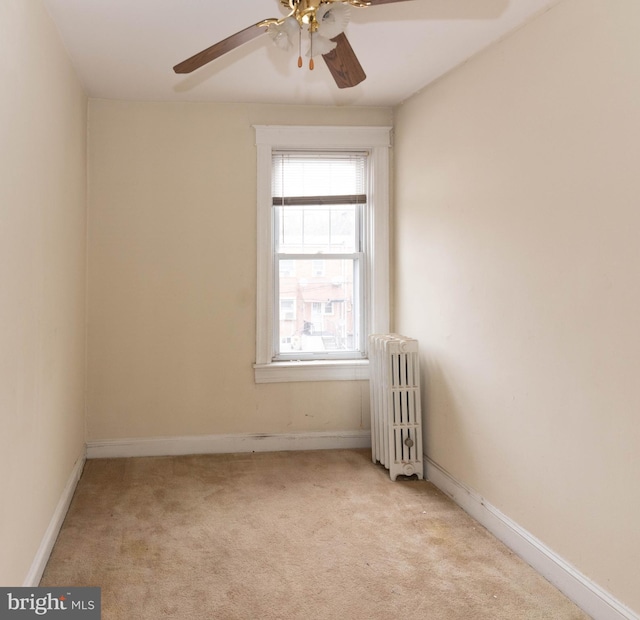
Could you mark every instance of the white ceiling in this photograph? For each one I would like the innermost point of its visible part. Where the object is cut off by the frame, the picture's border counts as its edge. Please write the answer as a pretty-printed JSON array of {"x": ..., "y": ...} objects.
[{"x": 125, "y": 49}]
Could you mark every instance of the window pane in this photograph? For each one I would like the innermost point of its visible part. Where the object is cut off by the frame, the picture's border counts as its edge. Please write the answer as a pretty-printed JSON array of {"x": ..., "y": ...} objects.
[
  {"x": 309, "y": 230},
  {"x": 343, "y": 227},
  {"x": 287, "y": 268},
  {"x": 291, "y": 227},
  {"x": 318, "y": 313},
  {"x": 287, "y": 309},
  {"x": 317, "y": 227}
]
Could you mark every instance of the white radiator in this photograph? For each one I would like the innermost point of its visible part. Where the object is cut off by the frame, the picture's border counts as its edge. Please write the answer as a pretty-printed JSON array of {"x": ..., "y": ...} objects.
[{"x": 396, "y": 415}]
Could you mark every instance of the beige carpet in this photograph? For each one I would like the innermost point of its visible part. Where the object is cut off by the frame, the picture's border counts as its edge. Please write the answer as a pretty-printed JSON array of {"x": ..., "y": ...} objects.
[{"x": 304, "y": 535}]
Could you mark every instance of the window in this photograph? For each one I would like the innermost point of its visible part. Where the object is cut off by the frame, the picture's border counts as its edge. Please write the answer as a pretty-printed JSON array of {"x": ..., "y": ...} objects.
[
  {"x": 319, "y": 208},
  {"x": 322, "y": 250}
]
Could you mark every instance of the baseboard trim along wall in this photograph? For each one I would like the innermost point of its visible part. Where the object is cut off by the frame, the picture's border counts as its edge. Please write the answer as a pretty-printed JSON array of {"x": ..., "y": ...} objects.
[
  {"x": 590, "y": 597},
  {"x": 221, "y": 444},
  {"x": 51, "y": 534}
]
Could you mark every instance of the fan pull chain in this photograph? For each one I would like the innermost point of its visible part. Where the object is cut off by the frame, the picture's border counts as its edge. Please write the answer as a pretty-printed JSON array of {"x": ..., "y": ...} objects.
[
  {"x": 300, "y": 48},
  {"x": 311, "y": 52}
]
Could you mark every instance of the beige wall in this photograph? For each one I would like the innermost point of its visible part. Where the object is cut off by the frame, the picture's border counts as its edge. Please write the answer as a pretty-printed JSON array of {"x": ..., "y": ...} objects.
[
  {"x": 518, "y": 268},
  {"x": 42, "y": 271},
  {"x": 172, "y": 295}
]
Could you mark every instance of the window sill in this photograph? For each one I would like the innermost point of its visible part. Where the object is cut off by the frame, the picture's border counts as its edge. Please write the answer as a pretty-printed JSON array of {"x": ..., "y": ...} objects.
[{"x": 320, "y": 370}]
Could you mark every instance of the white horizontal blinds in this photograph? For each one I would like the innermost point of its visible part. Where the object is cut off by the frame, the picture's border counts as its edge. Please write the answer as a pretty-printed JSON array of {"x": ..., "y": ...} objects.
[{"x": 318, "y": 175}]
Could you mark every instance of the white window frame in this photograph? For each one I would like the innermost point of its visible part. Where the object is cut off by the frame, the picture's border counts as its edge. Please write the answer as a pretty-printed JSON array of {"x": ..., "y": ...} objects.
[{"x": 375, "y": 140}]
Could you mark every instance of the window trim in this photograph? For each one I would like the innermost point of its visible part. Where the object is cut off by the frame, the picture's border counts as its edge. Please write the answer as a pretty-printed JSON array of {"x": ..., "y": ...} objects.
[{"x": 376, "y": 140}]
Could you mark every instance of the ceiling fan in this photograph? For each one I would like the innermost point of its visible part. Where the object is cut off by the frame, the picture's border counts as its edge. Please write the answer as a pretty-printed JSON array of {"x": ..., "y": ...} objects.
[{"x": 324, "y": 20}]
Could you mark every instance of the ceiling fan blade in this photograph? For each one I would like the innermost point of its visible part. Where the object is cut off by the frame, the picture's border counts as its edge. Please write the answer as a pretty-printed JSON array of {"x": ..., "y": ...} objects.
[
  {"x": 219, "y": 49},
  {"x": 343, "y": 63}
]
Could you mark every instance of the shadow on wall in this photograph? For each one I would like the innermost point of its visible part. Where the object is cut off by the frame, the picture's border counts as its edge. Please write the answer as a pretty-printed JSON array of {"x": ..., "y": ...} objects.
[{"x": 446, "y": 435}]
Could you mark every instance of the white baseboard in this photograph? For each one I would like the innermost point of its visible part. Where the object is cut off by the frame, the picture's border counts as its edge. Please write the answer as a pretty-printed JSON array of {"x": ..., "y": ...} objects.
[
  {"x": 590, "y": 597},
  {"x": 48, "y": 540},
  {"x": 221, "y": 444}
]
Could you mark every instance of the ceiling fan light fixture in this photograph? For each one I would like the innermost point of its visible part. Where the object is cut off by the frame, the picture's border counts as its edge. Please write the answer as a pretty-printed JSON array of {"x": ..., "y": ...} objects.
[
  {"x": 332, "y": 19},
  {"x": 284, "y": 34},
  {"x": 319, "y": 46}
]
